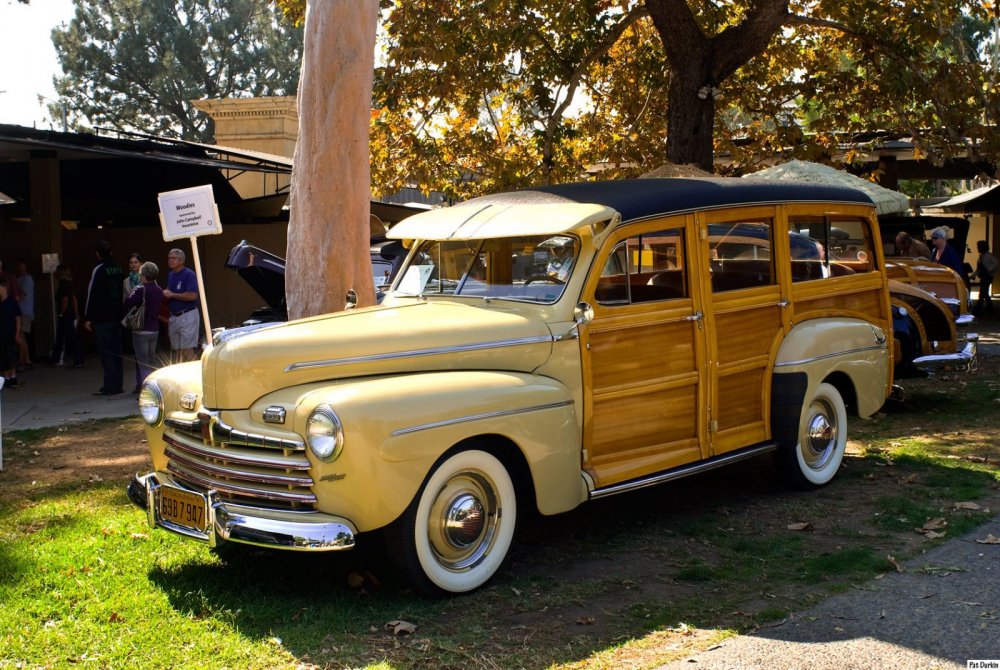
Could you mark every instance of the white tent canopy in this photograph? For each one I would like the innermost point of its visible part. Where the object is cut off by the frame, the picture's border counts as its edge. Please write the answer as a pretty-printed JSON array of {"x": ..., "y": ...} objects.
[{"x": 886, "y": 201}]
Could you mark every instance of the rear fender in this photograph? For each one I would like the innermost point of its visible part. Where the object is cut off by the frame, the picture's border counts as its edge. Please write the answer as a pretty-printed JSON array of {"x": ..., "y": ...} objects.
[{"x": 842, "y": 350}]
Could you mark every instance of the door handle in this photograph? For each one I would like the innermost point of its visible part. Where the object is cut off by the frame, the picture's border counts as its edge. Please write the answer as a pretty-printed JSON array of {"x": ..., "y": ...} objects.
[{"x": 697, "y": 317}]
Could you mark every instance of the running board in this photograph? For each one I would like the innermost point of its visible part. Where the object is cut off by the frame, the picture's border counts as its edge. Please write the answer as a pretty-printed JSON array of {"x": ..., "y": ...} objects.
[{"x": 683, "y": 471}]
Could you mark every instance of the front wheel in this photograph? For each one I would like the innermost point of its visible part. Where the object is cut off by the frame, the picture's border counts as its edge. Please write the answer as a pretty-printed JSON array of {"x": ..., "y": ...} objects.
[
  {"x": 457, "y": 531},
  {"x": 818, "y": 452}
]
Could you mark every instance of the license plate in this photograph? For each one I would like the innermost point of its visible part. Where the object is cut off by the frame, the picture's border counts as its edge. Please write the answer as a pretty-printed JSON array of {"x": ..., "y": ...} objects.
[{"x": 182, "y": 508}]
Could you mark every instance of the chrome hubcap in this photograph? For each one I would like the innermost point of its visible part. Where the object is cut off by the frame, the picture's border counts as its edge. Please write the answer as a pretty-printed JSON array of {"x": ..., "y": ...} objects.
[
  {"x": 463, "y": 520},
  {"x": 821, "y": 436}
]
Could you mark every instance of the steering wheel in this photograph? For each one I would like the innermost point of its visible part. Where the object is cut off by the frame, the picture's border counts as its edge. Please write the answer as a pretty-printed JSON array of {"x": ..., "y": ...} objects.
[{"x": 548, "y": 278}]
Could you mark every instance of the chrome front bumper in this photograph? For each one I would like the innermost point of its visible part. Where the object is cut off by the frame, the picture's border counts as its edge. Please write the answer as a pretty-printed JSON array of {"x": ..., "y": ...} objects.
[
  {"x": 279, "y": 529},
  {"x": 967, "y": 359}
]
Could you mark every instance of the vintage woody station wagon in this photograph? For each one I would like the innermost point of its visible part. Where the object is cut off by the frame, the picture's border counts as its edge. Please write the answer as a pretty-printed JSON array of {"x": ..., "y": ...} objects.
[{"x": 539, "y": 349}]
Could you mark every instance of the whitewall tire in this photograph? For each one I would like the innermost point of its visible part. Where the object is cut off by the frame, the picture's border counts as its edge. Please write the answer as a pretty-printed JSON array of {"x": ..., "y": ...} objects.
[
  {"x": 456, "y": 533},
  {"x": 821, "y": 442}
]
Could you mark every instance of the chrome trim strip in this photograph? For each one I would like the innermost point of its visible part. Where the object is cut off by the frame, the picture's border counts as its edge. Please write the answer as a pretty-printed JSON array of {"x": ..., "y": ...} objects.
[
  {"x": 434, "y": 351},
  {"x": 831, "y": 355},
  {"x": 192, "y": 426},
  {"x": 477, "y": 417},
  {"x": 296, "y": 531},
  {"x": 682, "y": 471},
  {"x": 264, "y": 460},
  {"x": 223, "y": 432},
  {"x": 233, "y": 473},
  {"x": 235, "y": 489}
]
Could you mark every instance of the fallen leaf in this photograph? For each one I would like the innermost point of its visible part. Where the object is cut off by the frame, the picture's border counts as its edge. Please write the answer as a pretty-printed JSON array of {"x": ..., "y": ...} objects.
[
  {"x": 115, "y": 618},
  {"x": 908, "y": 479},
  {"x": 585, "y": 620},
  {"x": 870, "y": 476},
  {"x": 139, "y": 536},
  {"x": 936, "y": 523},
  {"x": 516, "y": 591},
  {"x": 933, "y": 535},
  {"x": 966, "y": 505},
  {"x": 400, "y": 627},
  {"x": 802, "y": 525},
  {"x": 355, "y": 580},
  {"x": 990, "y": 539},
  {"x": 896, "y": 564}
]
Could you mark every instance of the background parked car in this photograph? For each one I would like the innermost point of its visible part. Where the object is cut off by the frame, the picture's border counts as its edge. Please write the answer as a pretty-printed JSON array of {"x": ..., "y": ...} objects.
[{"x": 265, "y": 273}]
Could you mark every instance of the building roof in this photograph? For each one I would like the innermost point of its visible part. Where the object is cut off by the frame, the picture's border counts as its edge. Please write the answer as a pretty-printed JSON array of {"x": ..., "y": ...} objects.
[
  {"x": 115, "y": 179},
  {"x": 985, "y": 199}
]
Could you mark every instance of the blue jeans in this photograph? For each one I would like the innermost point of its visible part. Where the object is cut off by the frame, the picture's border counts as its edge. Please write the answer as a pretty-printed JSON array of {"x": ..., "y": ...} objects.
[
  {"x": 144, "y": 344},
  {"x": 109, "y": 346}
]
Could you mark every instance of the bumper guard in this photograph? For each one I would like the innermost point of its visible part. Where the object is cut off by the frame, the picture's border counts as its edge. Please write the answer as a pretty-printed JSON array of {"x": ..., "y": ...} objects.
[
  {"x": 967, "y": 359},
  {"x": 225, "y": 521}
]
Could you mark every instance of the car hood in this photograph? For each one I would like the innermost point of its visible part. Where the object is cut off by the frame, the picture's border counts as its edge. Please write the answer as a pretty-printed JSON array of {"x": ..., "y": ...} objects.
[
  {"x": 416, "y": 337},
  {"x": 262, "y": 270}
]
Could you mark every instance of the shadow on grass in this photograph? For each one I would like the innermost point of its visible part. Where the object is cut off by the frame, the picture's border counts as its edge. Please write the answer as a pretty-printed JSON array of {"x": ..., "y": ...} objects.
[{"x": 700, "y": 551}]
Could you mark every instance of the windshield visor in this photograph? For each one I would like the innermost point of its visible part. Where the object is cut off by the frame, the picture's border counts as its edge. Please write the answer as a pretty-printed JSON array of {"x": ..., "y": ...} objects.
[{"x": 531, "y": 268}]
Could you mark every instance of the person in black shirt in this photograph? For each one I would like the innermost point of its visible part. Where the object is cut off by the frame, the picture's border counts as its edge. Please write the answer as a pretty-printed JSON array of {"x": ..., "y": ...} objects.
[{"x": 102, "y": 314}]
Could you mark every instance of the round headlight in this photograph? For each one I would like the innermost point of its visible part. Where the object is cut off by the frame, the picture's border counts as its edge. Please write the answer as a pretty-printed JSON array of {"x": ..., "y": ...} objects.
[
  {"x": 324, "y": 433},
  {"x": 151, "y": 403}
]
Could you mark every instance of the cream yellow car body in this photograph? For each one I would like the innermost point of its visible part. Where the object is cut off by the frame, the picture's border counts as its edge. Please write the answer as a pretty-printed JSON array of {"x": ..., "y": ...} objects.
[{"x": 577, "y": 396}]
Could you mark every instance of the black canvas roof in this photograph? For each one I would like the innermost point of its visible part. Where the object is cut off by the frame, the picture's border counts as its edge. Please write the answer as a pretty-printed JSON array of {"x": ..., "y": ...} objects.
[{"x": 642, "y": 198}]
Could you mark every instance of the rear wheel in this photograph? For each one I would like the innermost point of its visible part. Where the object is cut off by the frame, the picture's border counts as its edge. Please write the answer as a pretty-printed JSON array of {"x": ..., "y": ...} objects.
[
  {"x": 456, "y": 533},
  {"x": 818, "y": 452}
]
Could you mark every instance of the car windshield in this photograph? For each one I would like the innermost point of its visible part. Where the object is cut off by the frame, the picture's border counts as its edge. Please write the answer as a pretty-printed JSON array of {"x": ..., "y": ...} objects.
[{"x": 531, "y": 268}]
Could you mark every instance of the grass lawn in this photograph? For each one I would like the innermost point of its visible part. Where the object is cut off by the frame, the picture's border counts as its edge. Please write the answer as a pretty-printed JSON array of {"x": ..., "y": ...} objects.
[{"x": 627, "y": 582}]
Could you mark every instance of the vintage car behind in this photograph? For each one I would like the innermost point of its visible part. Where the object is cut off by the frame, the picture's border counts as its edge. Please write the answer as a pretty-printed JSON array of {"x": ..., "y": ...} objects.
[
  {"x": 537, "y": 350},
  {"x": 265, "y": 273}
]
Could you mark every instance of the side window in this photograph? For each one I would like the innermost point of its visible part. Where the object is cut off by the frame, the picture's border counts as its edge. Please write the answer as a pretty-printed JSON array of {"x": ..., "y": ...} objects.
[
  {"x": 645, "y": 268},
  {"x": 828, "y": 246},
  {"x": 740, "y": 254}
]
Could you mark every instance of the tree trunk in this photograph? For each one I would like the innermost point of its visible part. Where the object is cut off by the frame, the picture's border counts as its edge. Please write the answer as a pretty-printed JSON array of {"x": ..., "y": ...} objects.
[
  {"x": 328, "y": 229},
  {"x": 690, "y": 118},
  {"x": 699, "y": 64}
]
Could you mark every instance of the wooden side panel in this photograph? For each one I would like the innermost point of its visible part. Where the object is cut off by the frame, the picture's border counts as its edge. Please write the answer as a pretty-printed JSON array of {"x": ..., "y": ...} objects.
[
  {"x": 644, "y": 415},
  {"x": 746, "y": 333},
  {"x": 741, "y": 399},
  {"x": 643, "y": 354}
]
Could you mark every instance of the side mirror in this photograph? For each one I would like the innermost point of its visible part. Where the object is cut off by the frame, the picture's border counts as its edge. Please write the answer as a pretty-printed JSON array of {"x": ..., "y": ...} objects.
[
  {"x": 583, "y": 313},
  {"x": 351, "y": 298}
]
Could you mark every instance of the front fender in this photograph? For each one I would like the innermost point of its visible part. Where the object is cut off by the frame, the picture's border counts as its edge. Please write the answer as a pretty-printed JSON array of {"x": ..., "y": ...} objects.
[
  {"x": 853, "y": 347},
  {"x": 397, "y": 427}
]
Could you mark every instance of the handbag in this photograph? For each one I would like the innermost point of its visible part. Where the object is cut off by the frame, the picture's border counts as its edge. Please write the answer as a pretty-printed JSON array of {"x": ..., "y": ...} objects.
[{"x": 135, "y": 318}]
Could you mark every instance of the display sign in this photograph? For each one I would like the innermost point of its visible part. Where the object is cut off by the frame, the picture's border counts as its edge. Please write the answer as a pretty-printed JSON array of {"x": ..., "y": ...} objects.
[
  {"x": 50, "y": 263},
  {"x": 189, "y": 212}
]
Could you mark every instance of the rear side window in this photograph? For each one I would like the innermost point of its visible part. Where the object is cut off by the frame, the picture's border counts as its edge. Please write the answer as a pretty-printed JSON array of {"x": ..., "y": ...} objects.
[
  {"x": 740, "y": 254},
  {"x": 645, "y": 268},
  {"x": 830, "y": 246}
]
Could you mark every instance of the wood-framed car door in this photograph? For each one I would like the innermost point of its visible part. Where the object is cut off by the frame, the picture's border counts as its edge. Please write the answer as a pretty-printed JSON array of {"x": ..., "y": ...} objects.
[
  {"x": 746, "y": 315},
  {"x": 644, "y": 354}
]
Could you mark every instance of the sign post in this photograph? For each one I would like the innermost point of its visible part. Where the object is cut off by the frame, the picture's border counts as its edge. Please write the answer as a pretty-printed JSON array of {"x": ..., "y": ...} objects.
[
  {"x": 49, "y": 264},
  {"x": 191, "y": 212},
  {"x": 1, "y": 427}
]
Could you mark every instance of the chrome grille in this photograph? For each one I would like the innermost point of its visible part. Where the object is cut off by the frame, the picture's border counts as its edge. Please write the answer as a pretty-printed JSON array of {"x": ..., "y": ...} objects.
[{"x": 244, "y": 467}]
